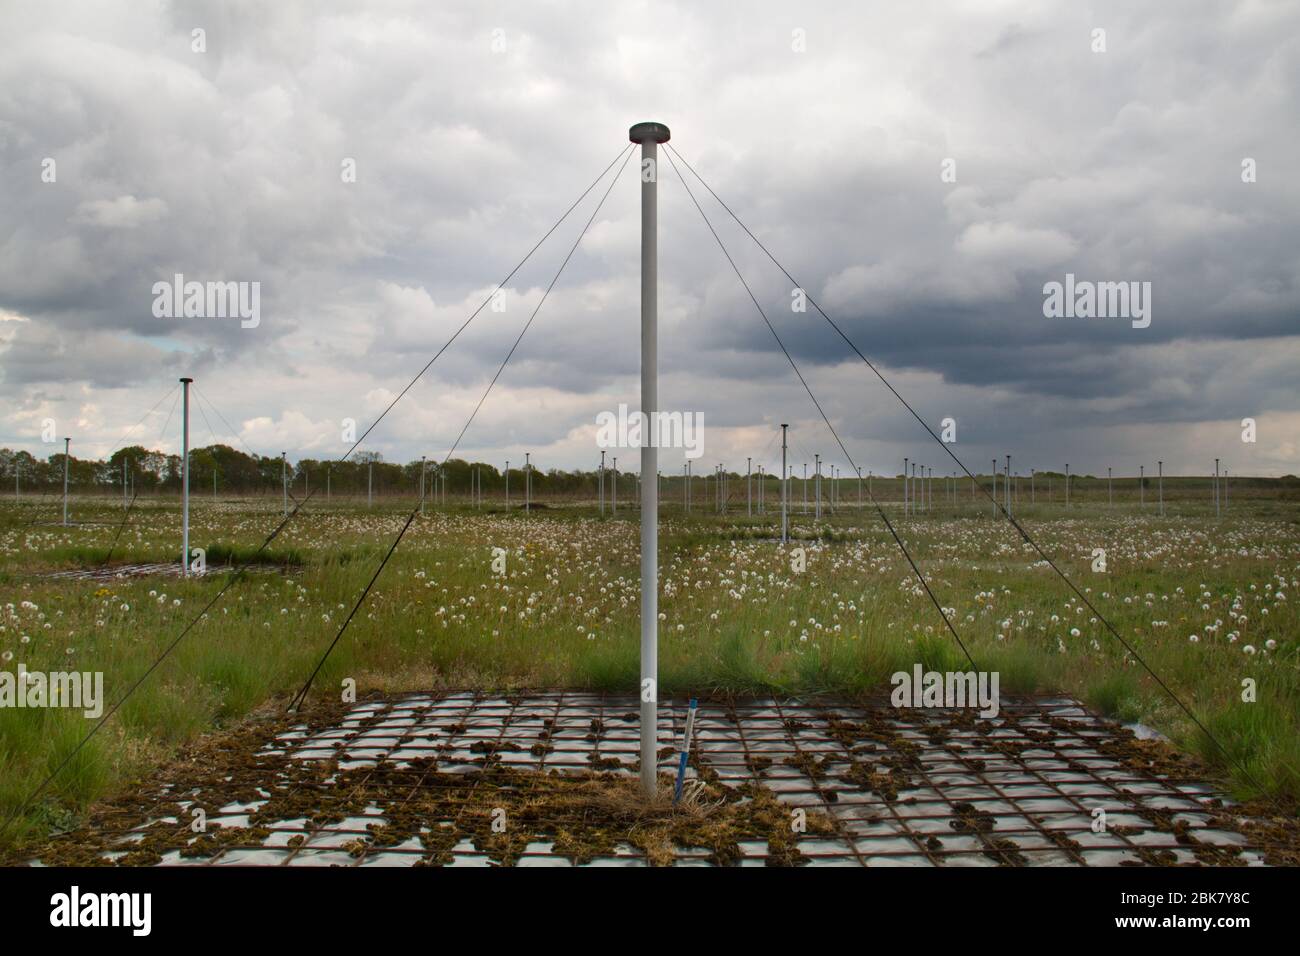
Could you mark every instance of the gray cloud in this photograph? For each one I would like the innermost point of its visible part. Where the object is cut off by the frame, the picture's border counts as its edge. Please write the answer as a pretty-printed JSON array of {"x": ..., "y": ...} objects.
[{"x": 226, "y": 165}]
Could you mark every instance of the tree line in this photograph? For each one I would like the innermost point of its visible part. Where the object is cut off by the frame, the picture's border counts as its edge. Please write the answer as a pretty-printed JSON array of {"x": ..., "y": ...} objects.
[{"x": 230, "y": 471}]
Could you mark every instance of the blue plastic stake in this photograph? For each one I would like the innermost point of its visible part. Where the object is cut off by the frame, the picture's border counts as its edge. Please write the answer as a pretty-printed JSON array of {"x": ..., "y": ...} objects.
[{"x": 686, "y": 750}]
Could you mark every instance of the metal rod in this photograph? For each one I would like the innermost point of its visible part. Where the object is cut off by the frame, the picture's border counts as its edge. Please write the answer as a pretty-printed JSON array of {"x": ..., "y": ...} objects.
[
  {"x": 67, "y": 445},
  {"x": 785, "y": 490},
  {"x": 185, "y": 476},
  {"x": 649, "y": 135}
]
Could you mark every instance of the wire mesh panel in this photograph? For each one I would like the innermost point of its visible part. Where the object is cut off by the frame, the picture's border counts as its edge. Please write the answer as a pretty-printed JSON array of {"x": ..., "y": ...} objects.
[{"x": 420, "y": 779}]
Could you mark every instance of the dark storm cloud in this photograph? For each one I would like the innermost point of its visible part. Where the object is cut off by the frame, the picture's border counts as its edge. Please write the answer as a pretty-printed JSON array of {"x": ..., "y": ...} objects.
[{"x": 473, "y": 127}]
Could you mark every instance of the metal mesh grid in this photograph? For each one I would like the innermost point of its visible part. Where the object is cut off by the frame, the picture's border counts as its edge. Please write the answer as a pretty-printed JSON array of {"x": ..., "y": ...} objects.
[{"x": 901, "y": 787}]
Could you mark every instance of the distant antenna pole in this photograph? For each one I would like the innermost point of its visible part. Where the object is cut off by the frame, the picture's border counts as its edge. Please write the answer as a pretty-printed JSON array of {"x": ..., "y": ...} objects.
[
  {"x": 1160, "y": 486},
  {"x": 785, "y": 490},
  {"x": 67, "y": 444},
  {"x": 904, "y": 485},
  {"x": 817, "y": 487},
  {"x": 1008, "y": 488},
  {"x": 649, "y": 135},
  {"x": 185, "y": 476},
  {"x": 749, "y": 483}
]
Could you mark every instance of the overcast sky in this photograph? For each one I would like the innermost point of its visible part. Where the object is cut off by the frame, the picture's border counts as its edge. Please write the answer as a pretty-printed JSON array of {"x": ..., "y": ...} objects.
[{"x": 825, "y": 126}]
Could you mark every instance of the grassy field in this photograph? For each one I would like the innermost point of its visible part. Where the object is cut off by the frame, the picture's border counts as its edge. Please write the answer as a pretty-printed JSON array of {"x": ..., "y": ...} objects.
[{"x": 1206, "y": 602}]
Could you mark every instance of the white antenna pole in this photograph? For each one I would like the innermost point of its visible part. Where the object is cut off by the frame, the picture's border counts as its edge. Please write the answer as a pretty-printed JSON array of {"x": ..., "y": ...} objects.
[
  {"x": 785, "y": 490},
  {"x": 67, "y": 445},
  {"x": 649, "y": 135},
  {"x": 817, "y": 487},
  {"x": 185, "y": 476}
]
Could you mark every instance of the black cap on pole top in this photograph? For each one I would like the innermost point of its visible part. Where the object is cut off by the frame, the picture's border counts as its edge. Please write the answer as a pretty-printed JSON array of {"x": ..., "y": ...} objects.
[
  {"x": 647, "y": 131},
  {"x": 187, "y": 380}
]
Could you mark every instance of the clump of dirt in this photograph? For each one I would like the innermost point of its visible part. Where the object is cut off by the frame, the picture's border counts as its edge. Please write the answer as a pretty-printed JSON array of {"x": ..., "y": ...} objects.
[
  {"x": 810, "y": 765},
  {"x": 971, "y": 820},
  {"x": 865, "y": 777}
]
